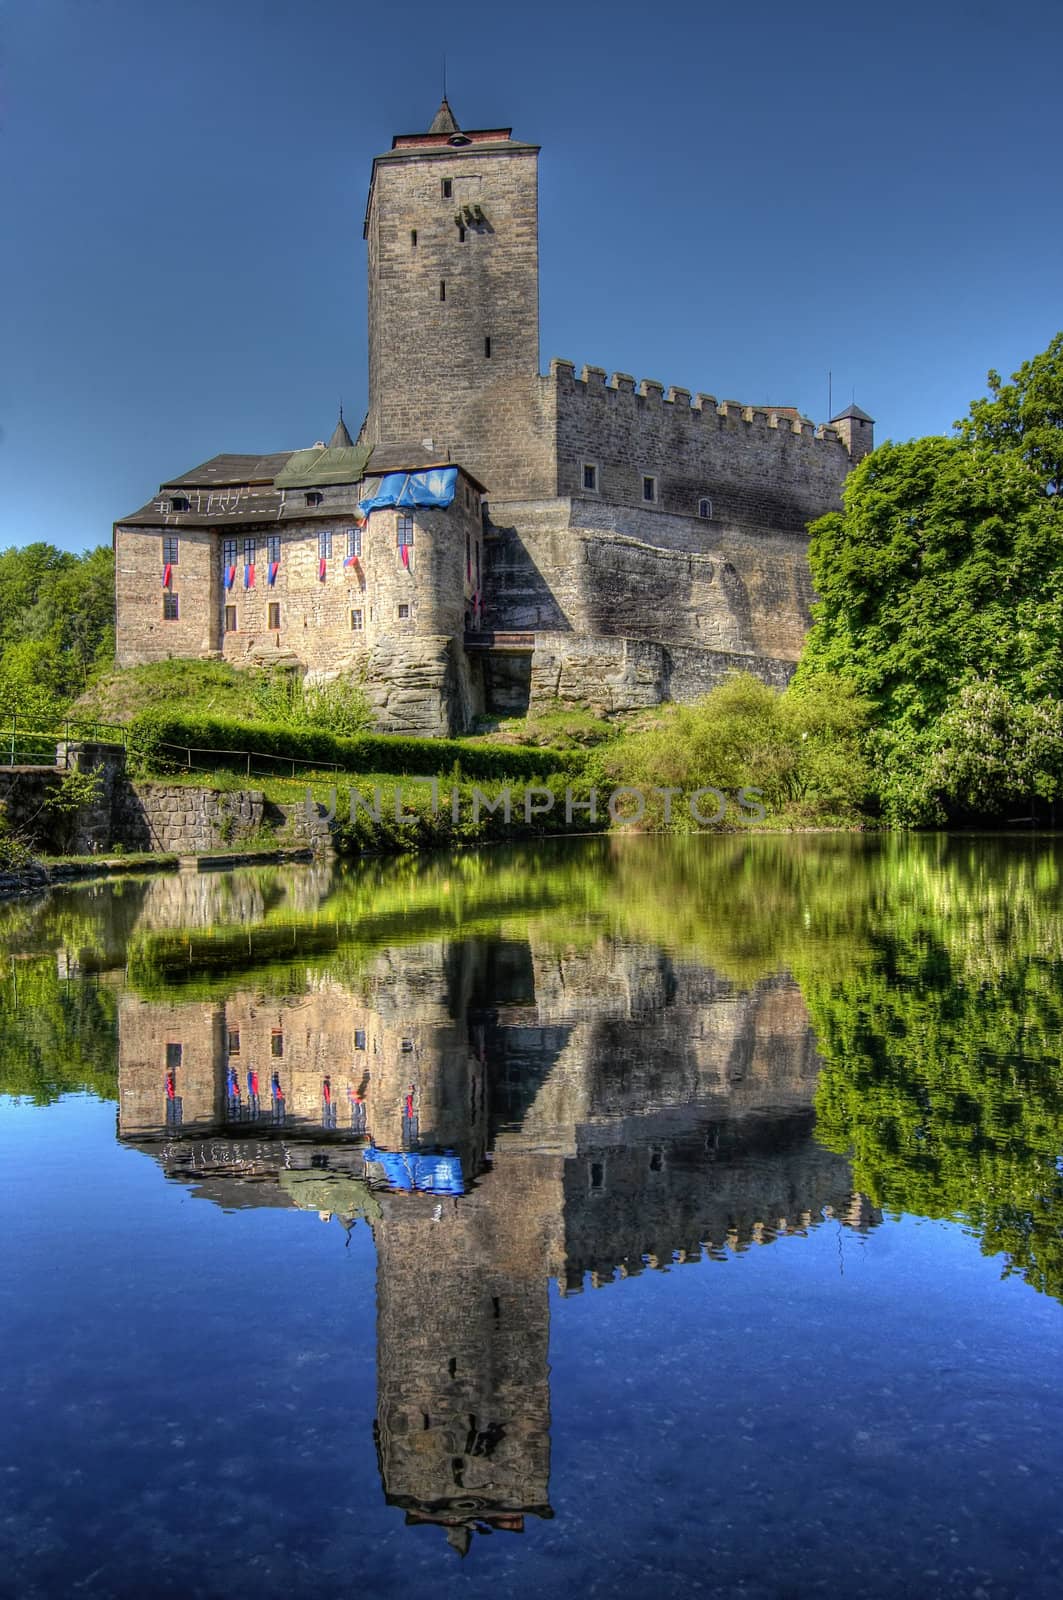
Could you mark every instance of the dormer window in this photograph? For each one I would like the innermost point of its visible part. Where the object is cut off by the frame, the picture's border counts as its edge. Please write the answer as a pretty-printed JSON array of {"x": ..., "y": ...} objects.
[
  {"x": 179, "y": 503},
  {"x": 459, "y": 139},
  {"x": 314, "y": 497}
]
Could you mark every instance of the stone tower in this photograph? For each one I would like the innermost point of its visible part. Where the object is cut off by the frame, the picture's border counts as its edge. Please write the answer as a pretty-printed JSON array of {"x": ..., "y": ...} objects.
[
  {"x": 452, "y": 230},
  {"x": 856, "y": 430}
]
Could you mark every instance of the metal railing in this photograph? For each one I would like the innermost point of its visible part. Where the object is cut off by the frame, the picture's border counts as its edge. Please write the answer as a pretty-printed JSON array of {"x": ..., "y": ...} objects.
[
  {"x": 27, "y": 746},
  {"x": 245, "y": 757}
]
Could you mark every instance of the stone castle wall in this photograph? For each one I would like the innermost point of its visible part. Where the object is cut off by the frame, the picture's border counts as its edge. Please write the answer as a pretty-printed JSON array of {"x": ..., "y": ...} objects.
[{"x": 760, "y": 468}]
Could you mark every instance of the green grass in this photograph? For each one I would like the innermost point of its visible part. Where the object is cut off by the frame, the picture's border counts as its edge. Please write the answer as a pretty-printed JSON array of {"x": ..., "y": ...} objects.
[{"x": 211, "y": 687}]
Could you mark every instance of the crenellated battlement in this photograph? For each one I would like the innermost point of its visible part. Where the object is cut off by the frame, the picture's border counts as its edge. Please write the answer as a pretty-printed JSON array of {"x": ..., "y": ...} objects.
[{"x": 700, "y": 409}]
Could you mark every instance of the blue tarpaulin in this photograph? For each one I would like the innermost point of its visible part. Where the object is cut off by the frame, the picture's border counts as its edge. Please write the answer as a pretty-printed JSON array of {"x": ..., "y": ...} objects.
[
  {"x": 434, "y": 487},
  {"x": 407, "y": 1169}
]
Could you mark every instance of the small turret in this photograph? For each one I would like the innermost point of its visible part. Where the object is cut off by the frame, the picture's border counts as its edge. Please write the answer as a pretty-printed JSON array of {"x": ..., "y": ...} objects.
[{"x": 856, "y": 430}]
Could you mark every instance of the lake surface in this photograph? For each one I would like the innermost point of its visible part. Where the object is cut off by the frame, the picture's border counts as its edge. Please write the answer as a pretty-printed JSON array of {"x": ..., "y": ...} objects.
[{"x": 587, "y": 1219}]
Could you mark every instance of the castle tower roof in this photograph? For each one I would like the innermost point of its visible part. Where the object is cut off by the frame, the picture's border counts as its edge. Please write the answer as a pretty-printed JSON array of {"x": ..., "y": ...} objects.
[
  {"x": 444, "y": 120},
  {"x": 855, "y": 413},
  {"x": 341, "y": 439}
]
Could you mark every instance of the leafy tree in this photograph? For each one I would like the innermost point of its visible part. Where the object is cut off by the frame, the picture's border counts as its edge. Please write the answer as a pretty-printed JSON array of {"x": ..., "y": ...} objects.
[
  {"x": 1025, "y": 416},
  {"x": 56, "y": 627}
]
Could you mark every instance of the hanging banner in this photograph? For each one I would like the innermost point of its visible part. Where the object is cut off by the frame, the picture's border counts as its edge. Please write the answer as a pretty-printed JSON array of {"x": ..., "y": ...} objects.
[
  {"x": 273, "y": 566},
  {"x": 167, "y": 577},
  {"x": 230, "y": 575},
  {"x": 404, "y": 551},
  {"x": 249, "y": 574},
  {"x": 322, "y": 569}
]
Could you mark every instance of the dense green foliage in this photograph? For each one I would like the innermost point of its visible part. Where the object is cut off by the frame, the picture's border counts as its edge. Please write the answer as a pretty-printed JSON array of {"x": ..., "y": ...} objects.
[
  {"x": 152, "y": 732},
  {"x": 941, "y": 602},
  {"x": 60, "y": 1035},
  {"x": 217, "y": 689},
  {"x": 800, "y": 751},
  {"x": 56, "y": 628}
]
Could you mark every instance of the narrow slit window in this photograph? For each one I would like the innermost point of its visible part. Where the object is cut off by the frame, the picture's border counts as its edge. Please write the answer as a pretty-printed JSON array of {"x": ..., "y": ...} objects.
[
  {"x": 413, "y": 238},
  {"x": 448, "y": 188},
  {"x": 461, "y": 233},
  {"x": 274, "y": 621},
  {"x": 597, "y": 1175},
  {"x": 169, "y": 607},
  {"x": 649, "y": 489},
  {"x": 487, "y": 347},
  {"x": 442, "y": 288},
  {"x": 590, "y": 477},
  {"x": 230, "y": 619}
]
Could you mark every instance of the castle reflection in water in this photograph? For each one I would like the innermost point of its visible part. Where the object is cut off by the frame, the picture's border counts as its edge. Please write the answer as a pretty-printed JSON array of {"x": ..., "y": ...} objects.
[{"x": 600, "y": 1111}]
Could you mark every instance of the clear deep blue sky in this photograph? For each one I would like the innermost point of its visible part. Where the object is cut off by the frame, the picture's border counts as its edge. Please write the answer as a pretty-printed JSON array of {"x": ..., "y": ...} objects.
[{"x": 735, "y": 198}]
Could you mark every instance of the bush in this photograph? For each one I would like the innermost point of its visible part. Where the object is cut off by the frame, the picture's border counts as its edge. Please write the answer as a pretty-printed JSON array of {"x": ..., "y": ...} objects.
[
  {"x": 152, "y": 732},
  {"x": 801, "y": 749}
]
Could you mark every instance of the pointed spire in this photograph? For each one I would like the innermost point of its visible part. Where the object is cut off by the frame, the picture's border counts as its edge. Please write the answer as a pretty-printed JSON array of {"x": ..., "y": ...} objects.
[
  {"x": 444, "y": 121},
  {"x": 341, "y": 439}
]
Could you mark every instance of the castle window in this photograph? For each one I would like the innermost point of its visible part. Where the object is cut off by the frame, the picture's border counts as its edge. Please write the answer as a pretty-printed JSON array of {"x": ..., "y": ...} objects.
[
  {"x": 179, "y": 503},
  {"x": 169, "y": 606},
  {"x": 705, "y": 507},
  {"x": 404, "y": 613},
  {"x": 442, "y": 288},
  {"x": 649, "y": 489},
  {"x": 324, "y": 544},
  {"x": 487, "y": 347},
  {"x": 230, "y": 619},
  {"x": 170, "y": 545},
  {"x": 404, "y": 528},
  {"x": 448, "y": 188},
  {"x": 173, "y": 1057},
  {"x": 356, "y": 621},
  {"x": 359, "y": 1038},
  {"x": 597, "y": 1175},
  {"x": 276, "y": 1043},
  {"x": 590, "y": 478},
  {"x": 234, "y": 1041},
  {"x": 228, "y": 552},
  {"x": 273, "y": 547},
  {"x": 461, "y": 234},
  {"x": 314, "y": 497},
  {"x": 354, "y": 542},
  {"x": 274, "y": 619},
  {"x": 406, "y": 1046},
  {"x": 413, "y": 238},
  {"x": 249, "y": 551}
]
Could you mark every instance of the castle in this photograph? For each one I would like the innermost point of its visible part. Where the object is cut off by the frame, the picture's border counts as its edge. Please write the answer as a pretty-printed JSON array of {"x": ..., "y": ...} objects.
[{"x": 497, "y": 538}]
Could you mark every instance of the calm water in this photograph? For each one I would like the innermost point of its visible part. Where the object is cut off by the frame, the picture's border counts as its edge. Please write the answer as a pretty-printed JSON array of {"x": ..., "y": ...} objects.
[{"x": 574, "y": 1220}]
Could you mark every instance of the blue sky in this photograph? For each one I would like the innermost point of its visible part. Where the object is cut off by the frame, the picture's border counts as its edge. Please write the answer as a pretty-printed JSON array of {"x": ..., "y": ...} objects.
[{"x": 733, "y": 198}]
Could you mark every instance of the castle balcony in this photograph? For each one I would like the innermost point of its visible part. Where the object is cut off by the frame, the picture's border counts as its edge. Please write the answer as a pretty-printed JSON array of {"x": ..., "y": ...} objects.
[{"x": 514, "y": 644}]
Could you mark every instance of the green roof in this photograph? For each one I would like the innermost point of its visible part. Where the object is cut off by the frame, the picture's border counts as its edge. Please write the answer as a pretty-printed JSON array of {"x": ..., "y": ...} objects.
[{"x": 308, "y": 469}]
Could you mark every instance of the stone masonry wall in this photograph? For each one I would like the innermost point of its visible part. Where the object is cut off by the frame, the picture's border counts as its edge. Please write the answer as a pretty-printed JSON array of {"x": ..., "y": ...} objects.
[
  {"x": 759, "y": 468},
  {"x": 141, "y": 632},
  {"x": 571, "y": 566},
  {"x": 169, "y": 817}
]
